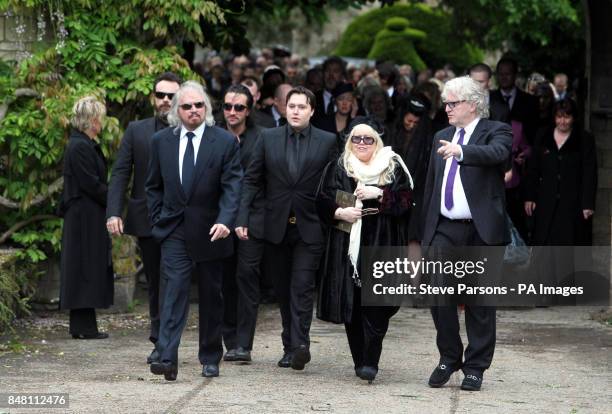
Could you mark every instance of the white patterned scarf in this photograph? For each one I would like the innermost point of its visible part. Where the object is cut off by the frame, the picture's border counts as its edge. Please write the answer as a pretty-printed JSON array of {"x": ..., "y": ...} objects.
[{"x": 371, "y": 173}]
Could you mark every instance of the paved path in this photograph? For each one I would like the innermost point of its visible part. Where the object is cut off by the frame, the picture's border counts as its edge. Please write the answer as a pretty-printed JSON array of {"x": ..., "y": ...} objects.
[{"x": 551, "y": 360}]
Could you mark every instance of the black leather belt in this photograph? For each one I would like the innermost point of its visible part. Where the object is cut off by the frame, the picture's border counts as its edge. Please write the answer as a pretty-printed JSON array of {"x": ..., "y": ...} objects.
[{"x": 466, "y": 221}]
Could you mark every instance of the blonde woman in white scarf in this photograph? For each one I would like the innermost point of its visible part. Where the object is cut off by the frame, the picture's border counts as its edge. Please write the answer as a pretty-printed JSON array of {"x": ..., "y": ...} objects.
[{"x": 379, "y": 179}]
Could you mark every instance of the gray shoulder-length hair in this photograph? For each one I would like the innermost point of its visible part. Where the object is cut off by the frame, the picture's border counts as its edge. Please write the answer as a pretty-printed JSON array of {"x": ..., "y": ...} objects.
[
  {"x": 467, "y": 89},
  {"x": 173, "y": 117}
]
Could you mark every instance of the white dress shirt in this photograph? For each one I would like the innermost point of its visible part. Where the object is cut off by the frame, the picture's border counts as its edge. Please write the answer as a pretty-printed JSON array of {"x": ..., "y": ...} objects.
[
  {"x": 461, "y": 208},
  {"x": 276, "y": 115},
  {"x": 183, "y": 140},
  {"x": 327, "y": 96}
]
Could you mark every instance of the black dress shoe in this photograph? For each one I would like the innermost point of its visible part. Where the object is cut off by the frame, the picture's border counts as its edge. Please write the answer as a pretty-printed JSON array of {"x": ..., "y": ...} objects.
[
  {"x": 285, "y": 361},
  {"x": 358, "y": 371},
  {"x": 210, "y": 370},
  {"x": 301, "y": 357},
  {"x": 441, "y": 375},
  {"x": 471, "y": 382},
  {"x": 230, "y": 355},
  {"x": 368, "y": 373},
  {"x": 154, "y": 356},
  {"x": 167, "y": 369},
  {"x": 99, "y": 335},
  {"x": 243, "y": 355}
]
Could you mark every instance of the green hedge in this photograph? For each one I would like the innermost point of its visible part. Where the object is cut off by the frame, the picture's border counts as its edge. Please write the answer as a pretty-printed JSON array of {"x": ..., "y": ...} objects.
[
  {"x": 18, "y": 280},
  {"x": 396, "y": 43},
  {"x": 441, "y": 46}
]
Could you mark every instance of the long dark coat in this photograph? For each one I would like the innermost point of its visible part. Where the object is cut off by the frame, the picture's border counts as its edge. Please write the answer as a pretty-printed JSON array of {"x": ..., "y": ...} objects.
[
  {"x": 562, "y": 182},
  {"x": 86, "y": 268},
  {"x": 388, "y": 228}
]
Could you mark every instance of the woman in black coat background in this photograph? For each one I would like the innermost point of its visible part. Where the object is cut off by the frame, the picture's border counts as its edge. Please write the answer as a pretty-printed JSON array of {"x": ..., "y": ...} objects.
[
  {"x": 560, "y": 193},
  {"x": 86, "y": 269},
  {"x": 562, "y": 181},
  {"x": 380, "y": 180}
]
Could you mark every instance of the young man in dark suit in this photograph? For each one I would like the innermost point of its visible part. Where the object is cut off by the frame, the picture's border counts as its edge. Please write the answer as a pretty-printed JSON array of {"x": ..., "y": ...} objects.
[
  {"x": 192, "y": 189},
  {"x": 464, "y": 206},
  {"x": 242, "y": 276},
  {"x": 287, "y": 165},
  {"x": 498, "y": 109},
  {"x": 133, "y": 161}
]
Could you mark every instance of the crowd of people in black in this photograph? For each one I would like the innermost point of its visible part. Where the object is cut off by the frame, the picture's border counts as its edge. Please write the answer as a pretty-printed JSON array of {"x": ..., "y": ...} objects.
[{"x": 237, "y": 183}]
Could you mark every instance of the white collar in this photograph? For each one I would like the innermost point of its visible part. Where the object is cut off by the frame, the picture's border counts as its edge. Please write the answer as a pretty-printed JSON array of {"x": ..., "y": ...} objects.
[
  {"x": 469, "y": 128},
  {"x": 199, "y": 131}
]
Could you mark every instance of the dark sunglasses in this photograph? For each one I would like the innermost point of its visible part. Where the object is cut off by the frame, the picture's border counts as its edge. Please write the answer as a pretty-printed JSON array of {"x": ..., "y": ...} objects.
[
  {"x": 187, "y": 107},
  {"x": 237, "y": 107},
  {"x": 357, "y": 139},
  {"x": 162, "y": 95}
]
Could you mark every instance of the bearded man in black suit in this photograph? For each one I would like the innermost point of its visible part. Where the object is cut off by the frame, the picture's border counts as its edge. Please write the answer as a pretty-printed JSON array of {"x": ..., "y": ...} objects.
[
  {"x": 192, "y": 189},
  {"x": 133, "y": 161}
]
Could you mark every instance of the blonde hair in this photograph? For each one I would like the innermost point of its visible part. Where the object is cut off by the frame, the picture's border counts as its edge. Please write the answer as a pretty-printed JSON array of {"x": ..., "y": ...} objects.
[
  {"x": 388, "y": 175},
  {"x": 85, "y": 110}
]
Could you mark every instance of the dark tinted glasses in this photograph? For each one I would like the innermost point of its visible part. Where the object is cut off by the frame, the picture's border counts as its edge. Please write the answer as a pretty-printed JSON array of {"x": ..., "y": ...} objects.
[
  {"x": 357, "y": 139},
  {"x": 187, "y": 107},
  {"x": 162, "y": 95},
  {"x": 237, "y": 107}
]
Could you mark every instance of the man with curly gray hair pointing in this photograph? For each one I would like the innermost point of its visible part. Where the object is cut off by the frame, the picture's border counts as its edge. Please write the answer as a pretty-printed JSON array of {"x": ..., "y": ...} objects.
[{"x": 464, "y": 206}]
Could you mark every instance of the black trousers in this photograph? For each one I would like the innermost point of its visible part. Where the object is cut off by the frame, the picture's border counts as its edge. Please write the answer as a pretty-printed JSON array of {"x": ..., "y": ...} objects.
[
  {"x": 150, "y": 252},
  {"x": 479, "y": 320},
  {"x": 83, "y": 322},
  {"x": 177, "y": 270},
  {"x": 248, "y": 274},
  {"x": 296, "y": 266},
  {"x": 366, "y": 331},
  {"x": 230, "y": 302}
]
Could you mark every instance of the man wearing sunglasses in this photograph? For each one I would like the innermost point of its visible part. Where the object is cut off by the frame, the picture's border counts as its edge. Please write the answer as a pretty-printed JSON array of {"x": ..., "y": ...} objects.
[
  {"x": 193, "y": 193},
  {"x": 242, "y": 275},
  {"x": 286, "y": 166},
  {"x": 132, "y": 161},
  {"x": 464, "y": 206}
]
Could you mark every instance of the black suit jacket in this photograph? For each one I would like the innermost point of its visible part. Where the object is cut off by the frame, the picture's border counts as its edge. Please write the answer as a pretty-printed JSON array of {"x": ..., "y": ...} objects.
[
  {"x": 482, "y": 175},
  {"x": 320, "y": 119},
  {"x": 525, "y": 109},
  {"x": 269, "y": 172},
  {"x": 248, "y": 142},
  {"x": 498, "y": 109},
  {"x": 133, "y": 158},
  {"x": 213, "y": 198}
]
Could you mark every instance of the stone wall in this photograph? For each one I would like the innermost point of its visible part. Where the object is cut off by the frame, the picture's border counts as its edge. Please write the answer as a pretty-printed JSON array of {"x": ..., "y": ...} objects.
[{"x": 11, "y": 43}]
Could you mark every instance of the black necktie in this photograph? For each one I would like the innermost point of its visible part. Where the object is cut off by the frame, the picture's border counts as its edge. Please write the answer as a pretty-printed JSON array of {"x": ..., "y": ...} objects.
[
  {"x": 294, "y": 155},
  {"x": 330, "y": 107},
  {"x": 188, "y": 163},
  {"x": 507, "y": 99}
]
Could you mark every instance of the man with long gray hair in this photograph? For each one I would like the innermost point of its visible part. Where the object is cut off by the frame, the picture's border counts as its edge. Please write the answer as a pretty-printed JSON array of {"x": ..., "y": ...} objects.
[
  {"x": 464, "y": 206},
  {"x": 193, "y": 191}
]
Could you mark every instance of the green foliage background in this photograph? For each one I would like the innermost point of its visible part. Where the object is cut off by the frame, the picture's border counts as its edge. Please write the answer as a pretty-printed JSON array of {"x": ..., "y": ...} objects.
[{"x": 441, "y": 45}]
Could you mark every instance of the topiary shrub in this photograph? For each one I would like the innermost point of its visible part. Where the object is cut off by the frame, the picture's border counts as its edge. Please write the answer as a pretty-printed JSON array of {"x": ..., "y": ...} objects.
[
  {"x": 396, "y": 43},
  {"x": 442, "y": 45}
]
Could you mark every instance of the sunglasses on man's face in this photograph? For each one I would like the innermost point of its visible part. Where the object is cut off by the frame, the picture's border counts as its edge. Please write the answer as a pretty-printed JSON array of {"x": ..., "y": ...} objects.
[
  {"x": 187, "y": 107},
  {"x": 237, "y": 107},
  {"x": 357, "y": 139},
  {"x": 162, "y": 95}
]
